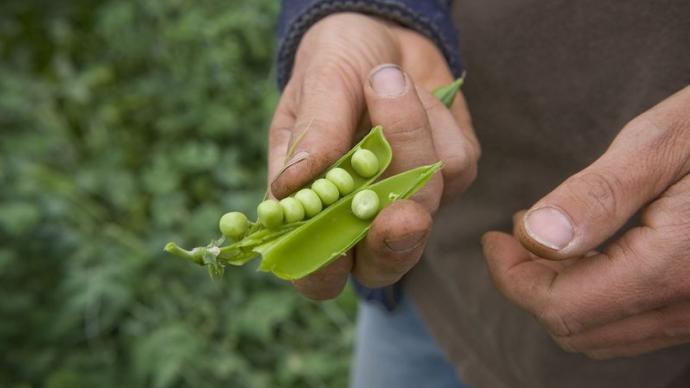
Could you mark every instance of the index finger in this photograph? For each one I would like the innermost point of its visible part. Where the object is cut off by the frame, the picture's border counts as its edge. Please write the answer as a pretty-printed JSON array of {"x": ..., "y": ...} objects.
[{"x": 328, "y": 104}]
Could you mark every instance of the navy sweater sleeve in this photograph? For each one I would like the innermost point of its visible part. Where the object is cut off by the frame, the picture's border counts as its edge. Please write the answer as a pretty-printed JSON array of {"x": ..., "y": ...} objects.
[{"x": 429, "y": 17}]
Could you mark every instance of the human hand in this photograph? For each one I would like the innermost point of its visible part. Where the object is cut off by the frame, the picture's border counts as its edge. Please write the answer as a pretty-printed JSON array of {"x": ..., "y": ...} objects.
[
  {"x": 343, "y": 81},
  {"x": 634, "y": 296}
]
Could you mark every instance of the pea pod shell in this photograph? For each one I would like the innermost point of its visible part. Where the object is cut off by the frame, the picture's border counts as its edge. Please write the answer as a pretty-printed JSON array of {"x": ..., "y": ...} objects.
[
  {"x": 446, "y": 94},
  {"x": 335, "y": 230}
]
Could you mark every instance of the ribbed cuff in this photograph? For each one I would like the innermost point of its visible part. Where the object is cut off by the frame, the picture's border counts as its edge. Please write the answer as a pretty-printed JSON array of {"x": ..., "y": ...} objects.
[{"x": 431, "y": 18}]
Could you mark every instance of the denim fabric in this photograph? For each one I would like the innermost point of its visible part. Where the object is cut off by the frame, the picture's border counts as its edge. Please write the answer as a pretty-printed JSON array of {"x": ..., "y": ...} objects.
[
  {"x": 394, "y": 349},
  {"x": 429, "y": 17},
  {"x": 387, "y": 297}
]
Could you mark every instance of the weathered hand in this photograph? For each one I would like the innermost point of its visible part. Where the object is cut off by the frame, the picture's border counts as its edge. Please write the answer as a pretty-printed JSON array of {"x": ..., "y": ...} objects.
[
  {"x": 634, "y": 295},
  {"x": 343, "y": 81}
]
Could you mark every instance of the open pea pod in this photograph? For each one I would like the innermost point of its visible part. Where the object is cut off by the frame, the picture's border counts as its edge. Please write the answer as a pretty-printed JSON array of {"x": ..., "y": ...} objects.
[
  {"x": 295, "y": 250},
  {"x": 336, "y": 229}
]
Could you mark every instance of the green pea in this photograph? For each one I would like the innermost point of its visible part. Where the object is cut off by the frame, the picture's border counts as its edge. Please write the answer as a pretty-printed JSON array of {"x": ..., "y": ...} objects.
[
  {"x": 293, "y": 210},
  {"x": 326, "y": 190},
  {"x": 233, "y": 225},
  {"x": 311, "y": 202},
  {"x": 342, "y": 180},
  {"x": 365, "y": 204},
  {"x": 270, "y": 213},
  {"x": 365, "y": 163}
]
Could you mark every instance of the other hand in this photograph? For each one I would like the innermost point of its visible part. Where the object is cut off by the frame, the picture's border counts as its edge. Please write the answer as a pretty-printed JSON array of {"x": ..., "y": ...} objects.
[{"x": 633, "y": 296}]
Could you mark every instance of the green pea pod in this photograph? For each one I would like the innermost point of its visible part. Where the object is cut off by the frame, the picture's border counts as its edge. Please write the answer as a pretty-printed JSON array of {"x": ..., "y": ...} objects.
[
  {"x": 241, "y": 252},
  {"x": 335, "y": 230}
]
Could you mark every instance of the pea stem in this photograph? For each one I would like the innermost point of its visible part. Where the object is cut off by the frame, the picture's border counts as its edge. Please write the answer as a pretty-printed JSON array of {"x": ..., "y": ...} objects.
[
  {"x": 258, "y": 238},
  {"x": 195, "y": 255}
]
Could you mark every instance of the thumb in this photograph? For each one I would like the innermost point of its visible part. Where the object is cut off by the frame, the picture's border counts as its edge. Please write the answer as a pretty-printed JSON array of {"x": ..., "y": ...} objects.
[
  {"x": 329, "y": 104},
  {"x": 393, "y": 102},
  {"x": 647, "y": 156}
]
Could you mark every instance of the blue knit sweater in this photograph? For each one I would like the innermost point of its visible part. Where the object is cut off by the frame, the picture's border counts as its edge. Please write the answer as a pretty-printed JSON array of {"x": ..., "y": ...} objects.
[{"x": 429, "y": 17}]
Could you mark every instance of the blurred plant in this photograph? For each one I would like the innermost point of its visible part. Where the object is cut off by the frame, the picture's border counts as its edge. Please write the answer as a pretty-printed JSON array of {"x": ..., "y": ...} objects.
[{"x": 125, "y": 124}]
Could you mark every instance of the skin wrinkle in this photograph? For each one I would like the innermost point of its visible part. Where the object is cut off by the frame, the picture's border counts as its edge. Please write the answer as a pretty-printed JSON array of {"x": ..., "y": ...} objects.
[
  {"x": 655, "y": 255},
  {"x": 420, "y": 242},
  {"x": 607, "y": 337},
  {"x": 320, "y": 82},
  {"x": 601, "y": 189},
  {"x": 665, "y": 151},
  {"x": 635, "y": 349},
  {"x": 671, "y": 220}
]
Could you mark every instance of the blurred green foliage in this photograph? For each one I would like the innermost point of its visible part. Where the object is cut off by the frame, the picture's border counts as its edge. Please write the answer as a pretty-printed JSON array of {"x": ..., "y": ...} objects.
[{"x": 123, "y": 125}]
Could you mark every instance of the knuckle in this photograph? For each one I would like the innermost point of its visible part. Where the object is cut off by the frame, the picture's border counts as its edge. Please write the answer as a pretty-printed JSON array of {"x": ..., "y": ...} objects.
[
  {"x": 597, "y": 192},
  {"x": 476, "y": 150},
  {"x": 409, "y": 123},
  {"x": 406, "y": 131},
  {"x": 396, "y": 256},
  {"x": 401, "y": 218},
  {"x": 431, "y": 105},
  {"x": 333, "y": 75},
  {"x": 664, "y": 143},
  {"x": 459, "y": 167},
  {"x": 556, "y": 322},
  {"x": 671, "y": 213},
  {"x": 394, "y": 263},
  {"x": 456, "y": 164}
]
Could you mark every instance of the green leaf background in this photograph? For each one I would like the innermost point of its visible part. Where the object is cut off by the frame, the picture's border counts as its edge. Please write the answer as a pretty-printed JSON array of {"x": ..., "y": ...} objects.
[{"x": 124, "y": 125}]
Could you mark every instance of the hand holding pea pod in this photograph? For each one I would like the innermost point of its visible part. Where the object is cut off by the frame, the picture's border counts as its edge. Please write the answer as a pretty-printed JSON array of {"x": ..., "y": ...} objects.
[
  {"x": 331, "y": 98},
  {"x": 320, "y": 114}
]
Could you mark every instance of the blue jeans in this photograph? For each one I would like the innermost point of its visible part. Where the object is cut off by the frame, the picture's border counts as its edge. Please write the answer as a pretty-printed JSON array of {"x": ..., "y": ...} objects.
[{"x": 395, "y": 350}]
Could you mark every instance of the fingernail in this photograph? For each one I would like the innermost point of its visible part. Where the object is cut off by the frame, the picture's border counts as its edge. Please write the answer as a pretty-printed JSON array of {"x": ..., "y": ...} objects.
[
  {"x": 549, "y": 227},
  {"x": 406, "y": 243},
  {"x": 296, "y": 159},
  {"x": 387, "y": 80}
]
